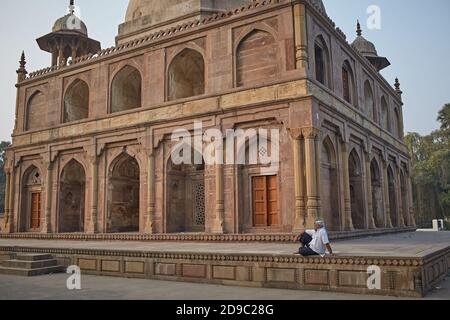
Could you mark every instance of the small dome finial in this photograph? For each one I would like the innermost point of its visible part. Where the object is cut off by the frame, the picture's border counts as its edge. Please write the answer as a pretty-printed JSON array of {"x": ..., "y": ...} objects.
[
  {"x": 358, "y": 29},
  {"x": 72, "y": 7},
  {"x": 397, "y": 86}
]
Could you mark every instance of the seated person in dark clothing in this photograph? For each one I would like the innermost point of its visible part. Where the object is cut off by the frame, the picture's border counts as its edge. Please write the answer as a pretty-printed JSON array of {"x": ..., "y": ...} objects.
[{"x": 315, "y": 242}]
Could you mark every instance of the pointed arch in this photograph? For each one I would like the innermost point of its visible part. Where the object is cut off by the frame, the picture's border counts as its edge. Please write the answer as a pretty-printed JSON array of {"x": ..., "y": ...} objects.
[
  {"x": 76, "y": 101},
  {"x": 348, "y": 83},
  {"x": 356, "y": 190},
  {"x": 369, "y": 102},
  {"x": 185, "y": 194},
  {"x": 377, "y": 194},
  {"x": 123, "y": 195},
  {"x": 385, "y": 121},
  {"x": 31, "y": 200},
  {"x": 71, "y": 198},
  {"x": 126, "y": 90},
  {"x": 257, "y": 58},
  {"x": 329, "y": 186},
  {"x": 186, "y": 75},
  {"x": 398, "y": 124},
  {"x": 322, "y": 61},
  {"x": 36, "y": 115}
]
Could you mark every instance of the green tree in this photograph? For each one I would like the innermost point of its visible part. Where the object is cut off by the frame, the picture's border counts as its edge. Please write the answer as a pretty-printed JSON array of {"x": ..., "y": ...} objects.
[
  {"x": 430, "y": 159},
  {"x": 444, "y": 117}
]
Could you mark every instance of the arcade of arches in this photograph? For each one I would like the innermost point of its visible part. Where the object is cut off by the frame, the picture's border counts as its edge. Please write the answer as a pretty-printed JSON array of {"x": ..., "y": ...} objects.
[{"x": 378, "y": 193}]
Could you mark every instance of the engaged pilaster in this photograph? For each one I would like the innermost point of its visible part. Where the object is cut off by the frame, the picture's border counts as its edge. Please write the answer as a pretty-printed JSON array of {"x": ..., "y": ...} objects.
[
  {"x": 369, "y": 191},
  {"x": 149, "y": 227},
  {"x": 298, "y": 180},
  {"x": 312, "y": 210},
  {"x": 48, "y": 199},
  {"x": 93, "y": 222},
  {"x": 218, "y": 226},
  {"x": 348, "y": 224},
  {"x": 387, "y": 205}
]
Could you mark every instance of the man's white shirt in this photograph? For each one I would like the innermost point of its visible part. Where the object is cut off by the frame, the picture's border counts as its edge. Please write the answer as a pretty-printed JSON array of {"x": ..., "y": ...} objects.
[{"x": 319, "y": 240}]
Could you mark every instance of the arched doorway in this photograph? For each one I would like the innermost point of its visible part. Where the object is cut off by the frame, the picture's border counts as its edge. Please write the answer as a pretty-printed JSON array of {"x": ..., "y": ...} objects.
[
  {"x": 329, "y": 187},
  {"x": 392, "y": 197},
  {"x": 72, "y": 198},
  {"x": 185, "y": 197},
  {"x": 377, "y": 194},
  {"x": 31, "y": 201},
  {"x": 123, "y": 195},
  {"x": 356, "y": 191}
]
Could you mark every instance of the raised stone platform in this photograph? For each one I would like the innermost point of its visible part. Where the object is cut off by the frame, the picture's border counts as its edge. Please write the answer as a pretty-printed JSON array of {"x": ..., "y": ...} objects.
[
  {"x": 411, "y": 263},
  {"x": 198, "y": 237}
]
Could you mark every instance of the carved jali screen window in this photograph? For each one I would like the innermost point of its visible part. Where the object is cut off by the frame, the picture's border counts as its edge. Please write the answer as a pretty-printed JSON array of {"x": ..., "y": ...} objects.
[{"x": 199, "y": 203}]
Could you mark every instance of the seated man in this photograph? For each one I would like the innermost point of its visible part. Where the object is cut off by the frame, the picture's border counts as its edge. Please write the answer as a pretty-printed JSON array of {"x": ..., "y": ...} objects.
[{"x": 315, "y": 242}]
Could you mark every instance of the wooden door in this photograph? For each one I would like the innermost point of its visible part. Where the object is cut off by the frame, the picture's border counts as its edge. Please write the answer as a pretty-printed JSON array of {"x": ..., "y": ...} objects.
[
  {"x": 35, "y": 210},
  {"x": 259, "y": 201},
  {"x": 272, "y": 201},
  {"x": 265, "y": 201}
]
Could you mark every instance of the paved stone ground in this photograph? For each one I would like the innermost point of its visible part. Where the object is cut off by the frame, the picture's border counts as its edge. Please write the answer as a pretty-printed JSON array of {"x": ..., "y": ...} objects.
[
  {"x": 413, "y": 244},
  {"x": 106, "y": 288}
]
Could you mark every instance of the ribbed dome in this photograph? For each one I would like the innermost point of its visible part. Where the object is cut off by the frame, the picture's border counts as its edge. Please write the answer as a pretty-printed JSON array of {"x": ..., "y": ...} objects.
[
  {"x": 367, "y": 49},
  {"x": 67, "y": 23},
  {"x": 364, "y": 46}
]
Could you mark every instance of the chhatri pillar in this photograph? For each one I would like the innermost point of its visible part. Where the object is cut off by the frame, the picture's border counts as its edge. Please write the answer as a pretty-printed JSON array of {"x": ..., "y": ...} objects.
[{"x": 68, "y": 40}]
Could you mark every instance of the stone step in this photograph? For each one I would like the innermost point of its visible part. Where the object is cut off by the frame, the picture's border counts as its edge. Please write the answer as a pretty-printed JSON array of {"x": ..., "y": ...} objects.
[
  {"x": 33, "y": 257},
  {"x": 31, "y": 272},
  {"x": 22, "y": 264}
]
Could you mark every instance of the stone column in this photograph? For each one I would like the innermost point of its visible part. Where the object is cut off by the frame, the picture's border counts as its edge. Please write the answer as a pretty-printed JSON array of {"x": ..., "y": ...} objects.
[
  {"x": 387, "y": 205},
  {"x": 369, "y": 191},
  {"x": 7, "y": 195},
  {"x": 60, "y": 56},
  {"x": 74, "y": 53},
  {"x": 54, "y": 56},
  {"x": 218, "y": 226},
  {"x": 11, "y": 223},
  {"x": 312, "y": 211},
  {"x": 400, "y": 198},
  {"x": 348, "y": 223},
  {"x": 48, "y": 199},
  {"x": 93, "y": 227},
  {"x": 299, "y": 183},
  {"x": 150, "y": 195},
  {"x": 318, "y": 175}
]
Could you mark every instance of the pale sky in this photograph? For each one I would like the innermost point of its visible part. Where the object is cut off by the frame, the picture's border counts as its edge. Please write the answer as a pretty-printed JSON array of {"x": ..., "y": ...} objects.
[{"x": 414, "y": 36}]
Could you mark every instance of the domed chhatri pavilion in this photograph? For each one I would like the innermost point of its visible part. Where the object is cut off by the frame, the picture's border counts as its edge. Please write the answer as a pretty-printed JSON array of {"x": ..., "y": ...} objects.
[{"x": 92, "y": 140}]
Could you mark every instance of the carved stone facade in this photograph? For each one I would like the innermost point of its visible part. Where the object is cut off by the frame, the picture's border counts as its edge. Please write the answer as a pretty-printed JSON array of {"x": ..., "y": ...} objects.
[{"x": 91, "y": 146}]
